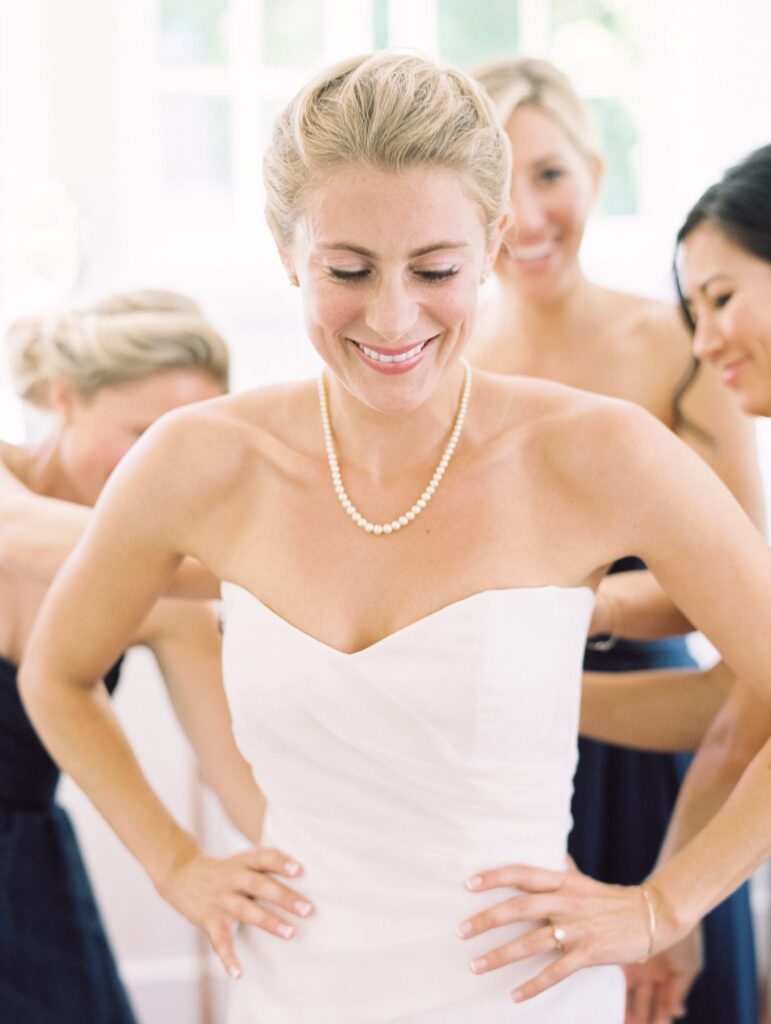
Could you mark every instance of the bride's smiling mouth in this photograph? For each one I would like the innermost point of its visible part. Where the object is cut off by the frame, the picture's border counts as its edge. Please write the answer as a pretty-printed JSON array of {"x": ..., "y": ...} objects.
[{"x": 397, "y": 360}]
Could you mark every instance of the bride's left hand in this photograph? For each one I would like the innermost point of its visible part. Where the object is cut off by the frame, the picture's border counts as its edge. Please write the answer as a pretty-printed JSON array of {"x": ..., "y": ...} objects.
[{"x": 589, "y": 922}]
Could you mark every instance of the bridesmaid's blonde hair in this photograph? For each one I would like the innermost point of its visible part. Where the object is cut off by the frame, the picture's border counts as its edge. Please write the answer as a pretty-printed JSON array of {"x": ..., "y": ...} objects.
[
  {"x": 390, "y": 111},
  {"x": 518, "y": 82},
  {"x": 103, "y": 349}
]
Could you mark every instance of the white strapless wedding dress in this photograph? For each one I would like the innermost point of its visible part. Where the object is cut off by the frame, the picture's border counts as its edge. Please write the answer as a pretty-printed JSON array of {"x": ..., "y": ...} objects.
[{"x": 394, "y": 774}]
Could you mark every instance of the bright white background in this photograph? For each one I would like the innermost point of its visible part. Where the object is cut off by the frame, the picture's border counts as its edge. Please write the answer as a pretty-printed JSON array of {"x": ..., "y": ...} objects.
[{"x": 130, "y": 156}]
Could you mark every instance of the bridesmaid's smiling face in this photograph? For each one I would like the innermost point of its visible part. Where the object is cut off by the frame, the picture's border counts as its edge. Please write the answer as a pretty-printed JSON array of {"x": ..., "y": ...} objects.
[
  {"x": 553, "y": 187},
  {"x": 389, "y": 265},
  {"x": 96, "y": 432},
  {"x": 728, "y": 291}
]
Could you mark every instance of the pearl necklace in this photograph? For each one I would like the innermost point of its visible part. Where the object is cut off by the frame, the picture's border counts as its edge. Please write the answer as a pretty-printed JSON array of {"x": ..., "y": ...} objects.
[{"x": 378, "y": 529}]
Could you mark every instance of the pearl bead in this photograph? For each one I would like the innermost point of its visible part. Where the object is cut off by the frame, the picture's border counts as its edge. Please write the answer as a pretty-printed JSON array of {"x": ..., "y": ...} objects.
[
  {"x": 387, "y": 528},
  {"x": 403, "y": 520},
  {"x": 377, "y": 529},
  {"x": 368, "y": 527},
  {"x": 396, "y": 524}
]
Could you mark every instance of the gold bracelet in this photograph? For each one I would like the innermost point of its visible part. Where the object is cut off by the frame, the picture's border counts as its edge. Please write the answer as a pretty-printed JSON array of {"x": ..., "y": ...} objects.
[{"x": 651, "y": 922}]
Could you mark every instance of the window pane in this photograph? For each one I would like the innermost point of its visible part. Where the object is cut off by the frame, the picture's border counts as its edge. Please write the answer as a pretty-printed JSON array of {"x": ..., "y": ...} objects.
[
  {"x": 195, "y": 155},
  {"x": 293, "y": 32},
  {"x": 468, "y": 36},
  {"x": 380, "y": 22},
  {"x": 193, "y": 31},
  {"x": 609, "y": 14},
  {"x": 620, "y": 139}
]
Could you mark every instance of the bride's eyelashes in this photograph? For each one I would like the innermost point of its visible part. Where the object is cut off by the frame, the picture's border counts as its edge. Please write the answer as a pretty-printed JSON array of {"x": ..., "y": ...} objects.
[{"x": 430, "y": 276}]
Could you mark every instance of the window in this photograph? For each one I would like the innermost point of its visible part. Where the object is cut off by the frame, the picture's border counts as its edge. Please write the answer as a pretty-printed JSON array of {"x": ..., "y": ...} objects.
[{"x": 222, "y": 69}]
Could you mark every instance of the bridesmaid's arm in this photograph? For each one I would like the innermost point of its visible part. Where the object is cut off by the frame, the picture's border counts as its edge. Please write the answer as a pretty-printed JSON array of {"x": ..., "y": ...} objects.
[
  {"x": 185, "y": 640},
  {"x": 665, "y": 710}
]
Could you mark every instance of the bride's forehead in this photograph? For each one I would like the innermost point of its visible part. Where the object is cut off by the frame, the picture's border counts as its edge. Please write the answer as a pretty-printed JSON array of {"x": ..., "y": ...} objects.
[{"x": 378, "y": 204}]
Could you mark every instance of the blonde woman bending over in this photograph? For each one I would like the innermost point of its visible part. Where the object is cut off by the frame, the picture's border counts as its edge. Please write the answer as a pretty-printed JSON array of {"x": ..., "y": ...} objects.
[{"x": 105, "y": 379}]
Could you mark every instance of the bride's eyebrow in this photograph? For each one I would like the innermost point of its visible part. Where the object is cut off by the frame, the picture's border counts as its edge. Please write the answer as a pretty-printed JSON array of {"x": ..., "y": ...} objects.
[{"x": 422, "y": 251}]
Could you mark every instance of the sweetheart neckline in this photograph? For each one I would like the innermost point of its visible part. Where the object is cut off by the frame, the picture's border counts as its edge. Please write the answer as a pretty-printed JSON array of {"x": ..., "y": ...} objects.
[{"x": 410, "y": 625}]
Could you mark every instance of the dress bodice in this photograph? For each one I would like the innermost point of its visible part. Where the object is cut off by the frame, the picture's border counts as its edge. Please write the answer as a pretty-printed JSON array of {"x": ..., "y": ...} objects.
[
  {"x": 28, "y": 776},
  {"x": 394, "y": 774}
]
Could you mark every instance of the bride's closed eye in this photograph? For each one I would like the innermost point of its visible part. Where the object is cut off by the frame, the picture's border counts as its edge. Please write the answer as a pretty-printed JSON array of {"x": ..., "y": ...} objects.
[{"x": 364, "y": 274}]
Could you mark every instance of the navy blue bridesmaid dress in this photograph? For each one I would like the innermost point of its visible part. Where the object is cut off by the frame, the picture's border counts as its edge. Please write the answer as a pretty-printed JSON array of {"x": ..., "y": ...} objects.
[
  {"x": 56, "y": 966},
  {"x": 622, "y": 804}
]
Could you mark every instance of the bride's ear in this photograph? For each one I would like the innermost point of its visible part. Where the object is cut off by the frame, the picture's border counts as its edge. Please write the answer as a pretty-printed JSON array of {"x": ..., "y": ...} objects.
[
  {"x": 283, "y": 251},
  {"x": 497, "y": 235}
]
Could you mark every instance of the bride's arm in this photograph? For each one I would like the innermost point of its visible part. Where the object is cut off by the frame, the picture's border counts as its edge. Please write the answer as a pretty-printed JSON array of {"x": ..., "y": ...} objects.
[
  {"x": 666, "y": 710},
  {"x": 37, "y": 534},
  {"x": 93, "y": 611},
  {"x": 185, "y": 640},
  {"x": 634, "y": 604},
  {"x": 661, "y": 502}
]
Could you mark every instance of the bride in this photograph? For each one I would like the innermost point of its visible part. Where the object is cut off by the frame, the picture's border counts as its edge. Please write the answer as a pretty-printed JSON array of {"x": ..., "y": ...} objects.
[{"x": 410, "y": 554}]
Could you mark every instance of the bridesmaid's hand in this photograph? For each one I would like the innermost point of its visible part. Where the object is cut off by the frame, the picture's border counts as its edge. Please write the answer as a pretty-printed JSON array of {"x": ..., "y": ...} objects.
[
  {"x": 216, "y": 893},
  {"x": 588, "y": 922},
  {"x": 656, "y": 990}
]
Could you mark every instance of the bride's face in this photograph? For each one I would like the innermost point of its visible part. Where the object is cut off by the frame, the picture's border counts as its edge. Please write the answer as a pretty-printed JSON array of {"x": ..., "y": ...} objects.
[{"x": 389, "y": 265}]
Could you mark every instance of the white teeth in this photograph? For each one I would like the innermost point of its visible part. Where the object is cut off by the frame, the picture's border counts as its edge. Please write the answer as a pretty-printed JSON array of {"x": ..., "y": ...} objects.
[
  {"x": 531, "y": 253},
  {"x": 380, "y": 358}
]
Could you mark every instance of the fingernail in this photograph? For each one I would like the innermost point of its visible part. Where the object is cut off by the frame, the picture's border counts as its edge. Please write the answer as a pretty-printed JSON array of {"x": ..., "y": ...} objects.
[
  {"x": 234, "y": 972},
  {"x": 302, "y": 907},
  {"x": 473, "y": 882},
  {"x": 517, "y": 996},
  {"x": 478, "y": 965},
  {"x": 464, "y": 928},
  {"x": 291, "y": 868},
  {"x": 286, "y": 931}
]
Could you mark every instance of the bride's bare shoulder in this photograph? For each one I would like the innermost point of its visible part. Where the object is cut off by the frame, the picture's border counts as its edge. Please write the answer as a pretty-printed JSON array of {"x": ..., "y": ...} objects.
[
  {"x": 579, "y": 433},
  {"x": 211, "y": 444}
]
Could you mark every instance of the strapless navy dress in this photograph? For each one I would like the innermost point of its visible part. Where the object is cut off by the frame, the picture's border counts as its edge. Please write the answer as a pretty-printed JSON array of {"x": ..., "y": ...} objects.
[
  {"x": 56, "y": 966},
  {"x": 622, "y": 804}
]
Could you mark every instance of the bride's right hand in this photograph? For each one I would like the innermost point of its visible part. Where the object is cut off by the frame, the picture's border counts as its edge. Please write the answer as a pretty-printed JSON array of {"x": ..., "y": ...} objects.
[{"x": 216, "y": 893}]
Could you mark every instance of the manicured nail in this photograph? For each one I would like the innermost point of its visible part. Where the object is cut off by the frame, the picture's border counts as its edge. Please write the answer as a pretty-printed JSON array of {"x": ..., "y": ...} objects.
[
  {"x": 478, "y": 965},
  {"x": 518, "y": 996},
  {"x": 234, "y": 972},
  {"x": 291, "y": 868},
  {"x": 464, "y": 928},
  {"x": 286, "y": 931},
  {"x": 302, "y": 907},
  {"x": 474, "y": 882}
]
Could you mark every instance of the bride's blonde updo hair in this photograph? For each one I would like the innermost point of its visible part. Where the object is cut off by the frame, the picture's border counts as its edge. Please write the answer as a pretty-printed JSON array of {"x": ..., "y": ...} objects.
[
  {"x": 114, "y": 343},
  {"x": 518, "y": 82},
  {"x": 390, "y": 111}
]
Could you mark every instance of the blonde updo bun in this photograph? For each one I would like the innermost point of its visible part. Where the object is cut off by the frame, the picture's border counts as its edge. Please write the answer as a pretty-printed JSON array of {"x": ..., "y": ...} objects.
[
  {"x": 518, "y": 82},
  {"x": 100, "y": 349},
  {"x": 390, "y": 111}
]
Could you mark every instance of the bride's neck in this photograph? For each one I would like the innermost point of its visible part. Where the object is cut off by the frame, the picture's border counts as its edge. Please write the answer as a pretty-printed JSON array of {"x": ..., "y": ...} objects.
[{"x": 388, "y": 444}]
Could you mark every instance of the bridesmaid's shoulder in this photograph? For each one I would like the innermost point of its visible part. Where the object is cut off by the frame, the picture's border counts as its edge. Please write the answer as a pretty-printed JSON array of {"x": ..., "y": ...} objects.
[{"x": 651, "y": 324}]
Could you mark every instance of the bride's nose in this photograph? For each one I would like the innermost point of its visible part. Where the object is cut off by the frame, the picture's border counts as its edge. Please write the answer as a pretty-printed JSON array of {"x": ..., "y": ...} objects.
[{"x": 392, "y": 308}]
